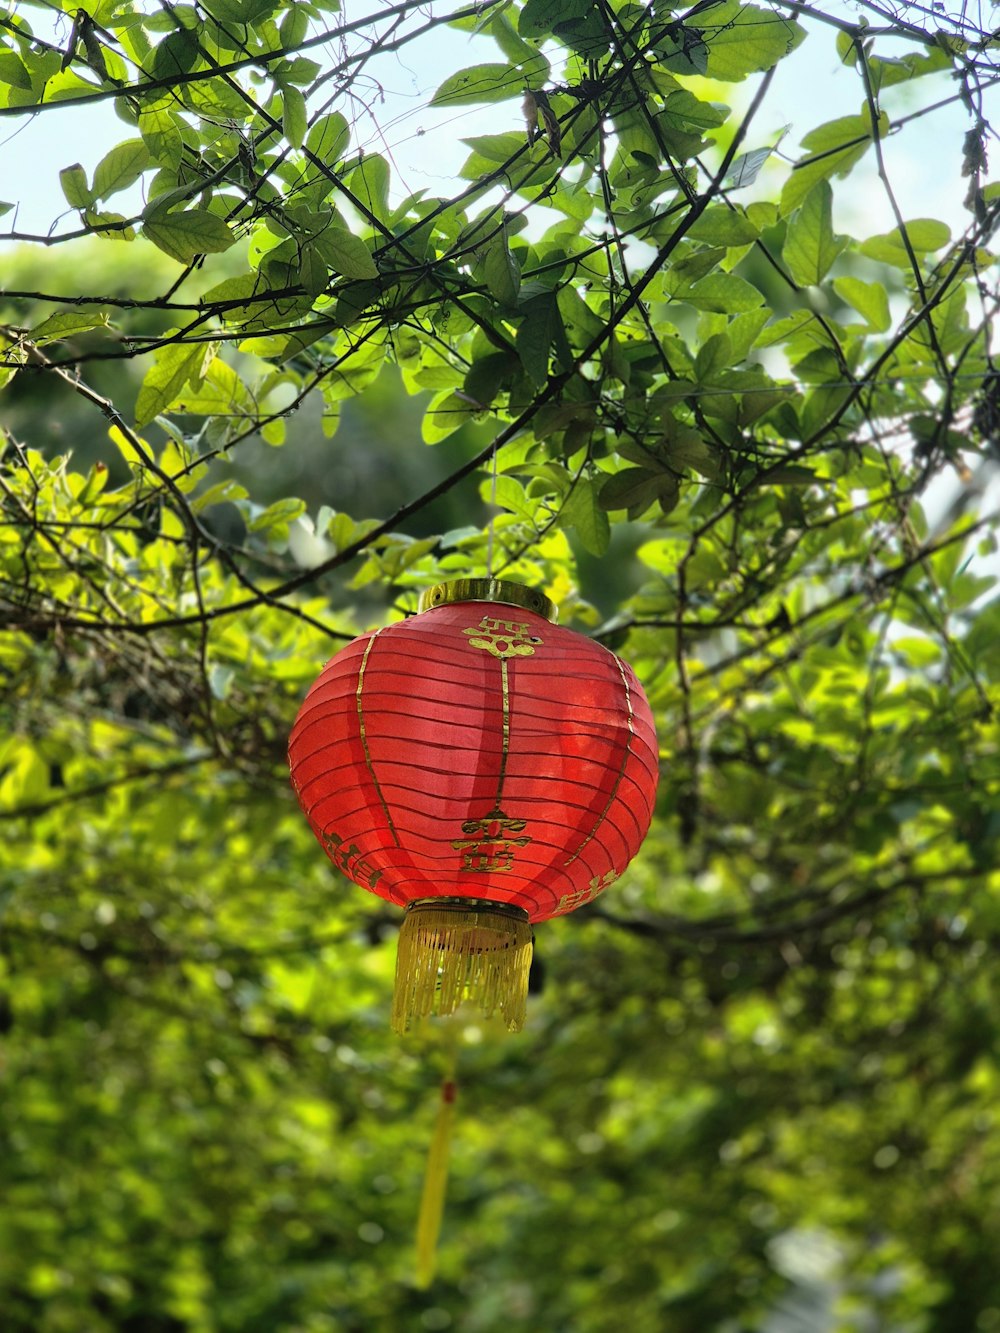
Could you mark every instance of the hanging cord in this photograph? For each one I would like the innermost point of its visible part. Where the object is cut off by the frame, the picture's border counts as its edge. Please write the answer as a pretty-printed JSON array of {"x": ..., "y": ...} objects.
[
  {"x": 436, "y": 1178},
  {"x": 493, "y": 511}
]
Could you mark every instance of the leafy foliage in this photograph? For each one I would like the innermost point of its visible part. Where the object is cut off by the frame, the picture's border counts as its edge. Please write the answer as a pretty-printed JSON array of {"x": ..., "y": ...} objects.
[{"x": 735, "y": 439}]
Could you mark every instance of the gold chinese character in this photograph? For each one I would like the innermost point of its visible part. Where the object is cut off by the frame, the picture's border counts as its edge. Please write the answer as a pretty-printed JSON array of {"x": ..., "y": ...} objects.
[
  {"x": 488, "y": 845},
  {"x": 502, "y": 638},
  {"x": 578, "y": 897},
  {"x": 350, "y": 861}
]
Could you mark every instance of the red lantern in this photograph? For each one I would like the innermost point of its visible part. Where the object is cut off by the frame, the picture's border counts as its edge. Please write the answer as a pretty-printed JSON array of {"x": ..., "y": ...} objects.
[{"x": 483, "y": 768}]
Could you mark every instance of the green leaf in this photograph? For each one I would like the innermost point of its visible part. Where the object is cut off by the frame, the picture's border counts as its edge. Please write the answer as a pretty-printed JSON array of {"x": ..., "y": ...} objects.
[
  {"x": 635, "y": 489},
  {"x": 444, "y": 415},
  {"x": 276, "y": 519},
  {"x": 886, "y": 72},
  {"x": 533, "y": 166},
  {"x": 719, "y": 225},
  {"x": 178, "y": 53},
  {"x": 250, "y": 290},
  {"x": 580, "y": 320},
  {"x": 185, "y": 235},
  {"x": 833, "y": 149},
  {"x": 530, "y": 61},
  {"x": 162, "y": 136},
  {"x": 480, "y": 83},
  {"x": 25, "y": 775},
  {"x": 244, "y": 12},
  {"x": 74, "y": 186},
  {"x": 682, "y": 274},
  {"x": 313, "y": 274},
  {"x": 715, "y": 355},
  {"x": 577, "y": 23},
  {"x": 256, "y": 12},
  {"x": 223, "y": 492},
  {"x": 682, "y": 50},
  {"x": 5, "y": 207},
  {"x": 328, "y": 138},
  {"x": 13, "y": 70},
  {"x": 499, "y": 148},
  {"x": 726, "y": 293},
  {"x": 341, "y": 529},
  {"x": 65, "y": 325},
  {"x": 108, "y": 225},
  {"x": 684, "y": 110},
  {"x": 917, "y": 652},
  {"x": 220, "y": 679},
  {"x": 294, "y": 117},
  {"x": 120, "y": 168},
  {"x": 584, "y": 512},
  {"x": 924, "y": 234},
  {"x": 500, "y": 270},
  {"x": 811, "y": 245},
  {"x": 178, "y": 461},
  {"x": 513, "y": 496},
  {"x": 534, "y": 337},
  {"x": 345, "y": 253},
  {"x": 294, "y": 27},
  {"x": 616, "y": 364},
  {"x": 789, "y": 474},
  {"x": 743, "y": 331},
  {"x": 173, "y": 368},
  {"x": 746, "y": 168},
  {"x": 486, "y": 375},
  {"x": 300, "y": 71},
  {"x": 540, "y": 18},
  {"x": 743, "y": 39},
  {"x": 869, "y": 299},
  {"x": 353, "y": 301},
  {"x": 369, "y": 183},
  {"x": 686, "y": 448},
  {"x": 219, "y": 392},
  {"x": 820, "y": 408}
]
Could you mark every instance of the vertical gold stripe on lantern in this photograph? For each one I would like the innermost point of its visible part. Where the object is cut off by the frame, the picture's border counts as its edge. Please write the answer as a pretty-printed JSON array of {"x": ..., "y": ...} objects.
[
  {"x": 621, "y": 772},
  {"x": 364, "y": 738},
  {"x": 505, "y": 699}
]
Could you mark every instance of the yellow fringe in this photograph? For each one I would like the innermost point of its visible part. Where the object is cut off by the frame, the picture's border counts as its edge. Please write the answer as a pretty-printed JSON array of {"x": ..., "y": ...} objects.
[
  {"x": 453, "y": 953},
  {"x": 436, "y": 1178}
]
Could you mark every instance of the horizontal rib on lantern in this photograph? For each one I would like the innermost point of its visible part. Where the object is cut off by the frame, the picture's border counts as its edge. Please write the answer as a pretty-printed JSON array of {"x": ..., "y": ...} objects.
[{"x": 477, "y": 751}]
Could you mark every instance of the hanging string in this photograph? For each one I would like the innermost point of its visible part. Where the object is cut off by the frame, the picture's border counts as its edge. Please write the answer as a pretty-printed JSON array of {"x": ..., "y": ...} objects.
[
  {"x": 436, "y": 1177},
  {"x": 493, "y": 510}
]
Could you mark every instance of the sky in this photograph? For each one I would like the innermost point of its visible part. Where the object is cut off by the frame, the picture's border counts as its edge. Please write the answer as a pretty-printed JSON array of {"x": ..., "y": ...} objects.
[
  {"x": 426, "y": 149},
  {"x": 424, "y": 144}
]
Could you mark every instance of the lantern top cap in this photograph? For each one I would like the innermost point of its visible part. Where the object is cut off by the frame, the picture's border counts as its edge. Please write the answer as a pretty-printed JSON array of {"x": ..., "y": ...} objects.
[{"x": 488, "y": 590}]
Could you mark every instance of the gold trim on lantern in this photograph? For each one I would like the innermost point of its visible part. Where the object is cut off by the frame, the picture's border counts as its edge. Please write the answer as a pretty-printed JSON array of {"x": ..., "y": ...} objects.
[
  {"x": 505, "y": 738},
  {"x": 457, "y": 950},
  {"x": 488, "y": 590}
]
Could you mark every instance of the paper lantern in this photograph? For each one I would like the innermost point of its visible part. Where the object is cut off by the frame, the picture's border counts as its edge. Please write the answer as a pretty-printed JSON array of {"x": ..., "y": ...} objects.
[{"x": 483, "y": 768}]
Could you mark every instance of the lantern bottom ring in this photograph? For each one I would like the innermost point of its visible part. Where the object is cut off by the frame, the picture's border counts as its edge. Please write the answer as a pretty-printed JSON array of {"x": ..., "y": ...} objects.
[
  {"x": 455, "y": 951},
  {"x": 446, "y": 903}
]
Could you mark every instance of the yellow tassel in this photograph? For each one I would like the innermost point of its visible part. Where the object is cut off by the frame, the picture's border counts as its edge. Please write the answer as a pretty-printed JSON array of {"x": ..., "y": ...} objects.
[
  {"x": 436, "y": 1181},
  {"x": 451, "y": 952}
]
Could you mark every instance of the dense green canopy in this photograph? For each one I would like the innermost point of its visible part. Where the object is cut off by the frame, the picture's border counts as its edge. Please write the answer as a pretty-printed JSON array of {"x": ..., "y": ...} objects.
[{"x": 743, "y": 411}]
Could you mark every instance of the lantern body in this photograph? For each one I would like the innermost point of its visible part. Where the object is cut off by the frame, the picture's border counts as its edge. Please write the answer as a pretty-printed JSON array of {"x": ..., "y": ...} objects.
[{"x": 477, "y": 751}]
